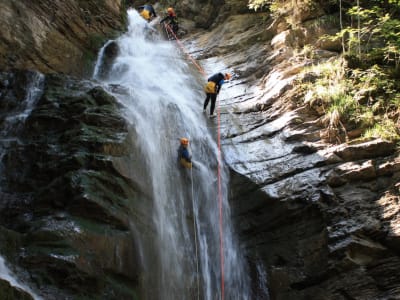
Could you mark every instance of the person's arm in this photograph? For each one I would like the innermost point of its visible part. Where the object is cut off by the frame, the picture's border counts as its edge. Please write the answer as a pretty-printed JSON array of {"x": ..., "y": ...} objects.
[
  {"x": 219, "y": 84},
  {"x": 153, "y": 12},
  {"x": 163, "y": 20},
  {"x": 186, "y": 155}
]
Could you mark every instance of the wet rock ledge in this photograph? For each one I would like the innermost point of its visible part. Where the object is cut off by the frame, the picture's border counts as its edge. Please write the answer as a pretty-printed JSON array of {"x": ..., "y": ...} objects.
[
  {"x": 321, "y": 214},
  {"x": 64, "y": 212}
]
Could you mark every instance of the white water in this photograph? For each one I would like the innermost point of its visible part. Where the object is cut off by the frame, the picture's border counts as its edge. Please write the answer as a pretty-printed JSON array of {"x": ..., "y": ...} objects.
[
  {"x": 7, "y": 275},
  {"x": 16, "y": 118},
  {"x": 164, "y": 103},
  {"x": 11, "y": 126}
]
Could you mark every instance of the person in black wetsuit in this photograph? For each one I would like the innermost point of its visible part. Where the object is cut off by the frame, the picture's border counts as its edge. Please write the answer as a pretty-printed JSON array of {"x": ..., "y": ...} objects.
[
  {"x": 212, "y": 89},
  {"x": 172, "y": 20}
]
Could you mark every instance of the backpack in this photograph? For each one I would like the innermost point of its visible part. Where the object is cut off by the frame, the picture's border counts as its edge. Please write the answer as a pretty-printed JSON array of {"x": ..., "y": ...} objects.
[
  {"x": 210, "y": 87},
  {"x": 145, "y": 14}
]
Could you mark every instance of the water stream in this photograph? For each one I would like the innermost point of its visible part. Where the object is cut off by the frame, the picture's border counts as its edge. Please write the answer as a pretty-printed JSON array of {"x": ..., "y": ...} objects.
[
  {"x": 15, "y": 119},
  {"x": 12, "y": 125},
  {"x": 163, "y": 103},
  {"x": 6, "y": 274}
]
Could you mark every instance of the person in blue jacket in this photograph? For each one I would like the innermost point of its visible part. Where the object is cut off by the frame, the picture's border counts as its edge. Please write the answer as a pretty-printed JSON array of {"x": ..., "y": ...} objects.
[
  {"x": 184, "y": 157},
  {"x": 212, "y": 89}
]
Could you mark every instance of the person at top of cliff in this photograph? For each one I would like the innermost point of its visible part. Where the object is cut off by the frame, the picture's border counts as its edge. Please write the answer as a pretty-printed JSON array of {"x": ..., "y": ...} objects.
[
  {"x": 147, "y": 12},
  {"x": 172, "y": 20},
  {"x": 184, "y": 157},
  {"x": 212, "y": 89}
]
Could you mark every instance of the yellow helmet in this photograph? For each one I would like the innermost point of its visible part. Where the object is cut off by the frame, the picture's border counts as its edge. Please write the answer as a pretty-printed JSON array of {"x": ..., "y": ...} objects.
[
  {"x": 227, "y": 76},
  {"x": 184, "y": 141}
]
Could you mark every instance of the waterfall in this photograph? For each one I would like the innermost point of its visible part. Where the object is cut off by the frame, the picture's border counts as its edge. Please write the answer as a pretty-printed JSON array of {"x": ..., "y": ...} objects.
[
  {"x": 7, "y": 275},
  {"x": 16, "y": 117},
  {"x": 12, "y": 125},
  {"x": 163, "y": 103}
]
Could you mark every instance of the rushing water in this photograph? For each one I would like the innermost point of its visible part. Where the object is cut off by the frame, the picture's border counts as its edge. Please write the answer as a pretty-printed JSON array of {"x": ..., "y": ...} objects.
[
  {"x": 165, "y": 103},
  {"x": 12, "y": 125},
  {"x": 16, "y": 117},
  {"x": 6, "y": 274}
]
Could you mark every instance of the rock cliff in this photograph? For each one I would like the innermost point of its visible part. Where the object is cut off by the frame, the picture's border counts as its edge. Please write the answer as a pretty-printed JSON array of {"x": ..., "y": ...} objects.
[
  {"x": 64, "y": 212},
  {"x": 321, "y": 216},
  {"x": 57, "y": 36}
]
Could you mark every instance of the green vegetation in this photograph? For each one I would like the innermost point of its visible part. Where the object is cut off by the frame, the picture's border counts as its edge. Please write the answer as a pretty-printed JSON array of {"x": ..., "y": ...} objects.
[
  {"x": 355, "y": 99},
  {"x": 360, "y": 90}
]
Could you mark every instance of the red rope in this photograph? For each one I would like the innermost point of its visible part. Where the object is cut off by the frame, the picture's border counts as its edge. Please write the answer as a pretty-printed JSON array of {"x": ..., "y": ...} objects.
[
  {"x": 184, "y": 50},
  {"x": 221, "y": 245}
]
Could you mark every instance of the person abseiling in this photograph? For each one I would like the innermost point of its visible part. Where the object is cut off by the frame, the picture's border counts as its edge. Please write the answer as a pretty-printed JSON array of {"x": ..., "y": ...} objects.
[
  {"x": 172, "y": 20},
  {"x": 184, "y": 157},
  {"x": 147, "y": 12},
  {"x": 212, "y": 89}
]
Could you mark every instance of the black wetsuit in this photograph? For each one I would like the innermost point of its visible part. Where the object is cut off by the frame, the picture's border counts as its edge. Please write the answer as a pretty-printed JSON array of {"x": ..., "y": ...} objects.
[
  {"x": 218, "y": 78},
  {"x": 172, "y": 21}
]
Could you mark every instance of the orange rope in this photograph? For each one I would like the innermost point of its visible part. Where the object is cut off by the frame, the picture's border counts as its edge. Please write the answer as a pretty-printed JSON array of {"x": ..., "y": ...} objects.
[
  {"x": 184, "y": 50},
  {"x": 219, "y": 168}
]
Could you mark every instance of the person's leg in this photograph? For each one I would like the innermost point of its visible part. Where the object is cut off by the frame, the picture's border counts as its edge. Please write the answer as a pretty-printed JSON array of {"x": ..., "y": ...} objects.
[
  {"x": 175, "y": 28},
  {"x": 213, "y": 100},
  {"x": 206, "y": 101}
]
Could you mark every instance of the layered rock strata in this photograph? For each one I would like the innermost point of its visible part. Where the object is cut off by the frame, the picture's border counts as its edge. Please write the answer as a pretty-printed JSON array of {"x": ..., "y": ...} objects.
[
  {"x": 57, "y": 36},
  {"x": 67, "y": 215},
  {"x": 320, "y": 214}
]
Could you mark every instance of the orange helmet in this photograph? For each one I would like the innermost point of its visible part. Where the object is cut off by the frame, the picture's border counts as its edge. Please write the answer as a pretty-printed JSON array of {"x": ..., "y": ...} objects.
[
  {"x": 170, "y": 10},
  {"x": 184, "y": 141},
  {"x": 227, "y": 76}
]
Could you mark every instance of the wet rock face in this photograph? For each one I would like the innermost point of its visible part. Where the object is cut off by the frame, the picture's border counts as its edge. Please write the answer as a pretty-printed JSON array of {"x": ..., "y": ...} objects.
[
  {"x": 206, "y": 13},
  {"x": 323, "y": 218},
  {"x": 321, "y": 215},
  {"x": 9, "y": 292},
  {"x": 110, "y": 53},
  {"x": 65, "y": 211},
  {"x": 56, "y": 36}
]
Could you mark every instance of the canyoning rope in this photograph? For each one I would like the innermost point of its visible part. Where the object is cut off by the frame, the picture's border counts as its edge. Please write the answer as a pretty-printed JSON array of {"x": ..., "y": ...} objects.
[
  {"x": 201, "y": 70},
  {"x": 220, "y": 206},
  {"x": 195, "y": 236},
  {"x": 195, "y": 241}
]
